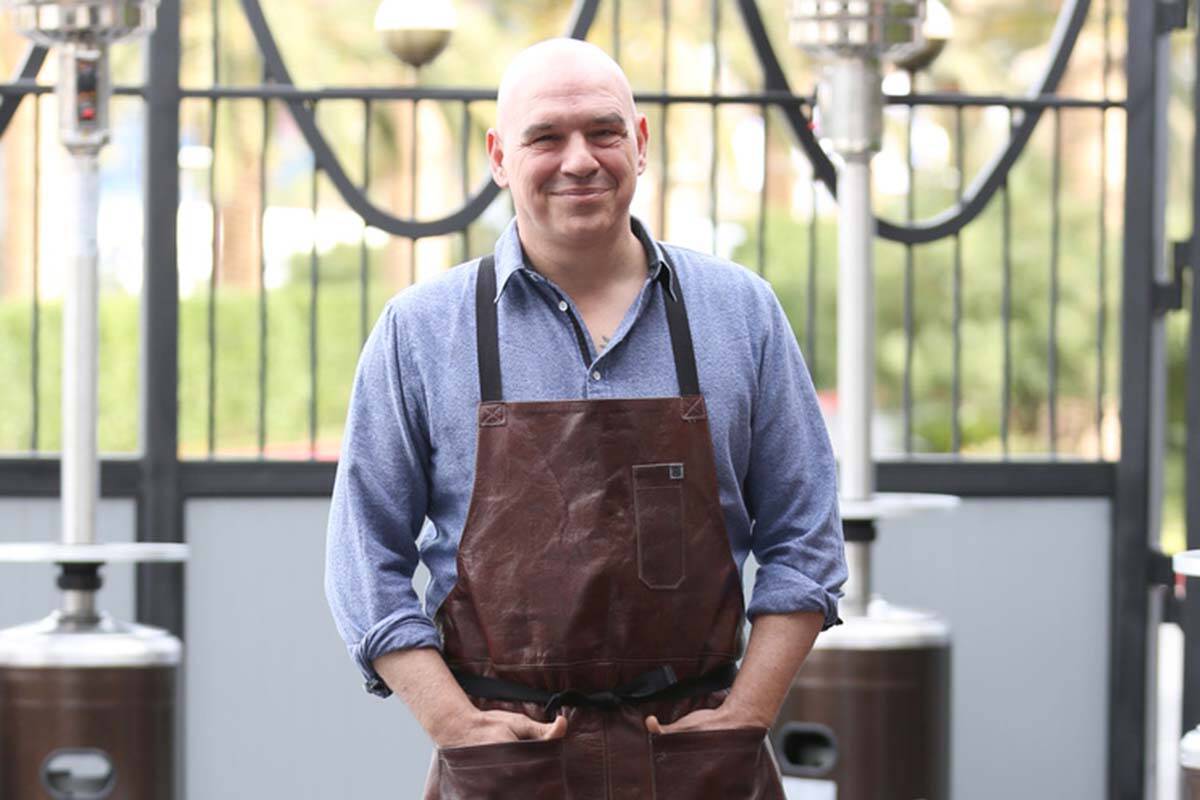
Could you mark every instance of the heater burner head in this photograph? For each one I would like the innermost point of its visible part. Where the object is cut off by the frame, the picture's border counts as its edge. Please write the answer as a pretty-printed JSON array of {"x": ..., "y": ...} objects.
[{"x": 89, "y": 22}]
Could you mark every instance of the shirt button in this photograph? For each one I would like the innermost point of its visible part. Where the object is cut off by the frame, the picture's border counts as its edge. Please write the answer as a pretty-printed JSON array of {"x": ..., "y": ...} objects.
[
  {"x": 596, "y": 375},
  {"x": 562, "y": 305}
]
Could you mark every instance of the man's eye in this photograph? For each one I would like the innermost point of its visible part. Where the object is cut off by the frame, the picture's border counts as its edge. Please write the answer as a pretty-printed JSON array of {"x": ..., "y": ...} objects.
[{"x": 545, "y": 138}]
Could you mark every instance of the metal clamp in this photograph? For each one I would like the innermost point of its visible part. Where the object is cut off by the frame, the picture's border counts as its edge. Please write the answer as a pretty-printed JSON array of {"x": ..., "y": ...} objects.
[
  {"x": 1168, "y": 296},
  {"x": 1172, "y": 15}
]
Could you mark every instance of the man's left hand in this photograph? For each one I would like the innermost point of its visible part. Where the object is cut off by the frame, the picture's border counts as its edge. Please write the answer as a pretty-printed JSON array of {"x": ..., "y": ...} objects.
[{"x": 724, "y": 717}]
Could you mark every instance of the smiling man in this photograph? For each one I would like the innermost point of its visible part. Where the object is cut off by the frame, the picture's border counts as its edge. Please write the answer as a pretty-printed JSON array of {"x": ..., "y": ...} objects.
[{"x": 582, "y": 436}]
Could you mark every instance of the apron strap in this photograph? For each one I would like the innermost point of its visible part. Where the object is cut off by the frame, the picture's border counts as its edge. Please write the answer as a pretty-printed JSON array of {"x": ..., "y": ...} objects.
[
  {"x": 487, "y": 336},
  {"x": 657, "y": 685},
  {"x": 681, "y": 334}
]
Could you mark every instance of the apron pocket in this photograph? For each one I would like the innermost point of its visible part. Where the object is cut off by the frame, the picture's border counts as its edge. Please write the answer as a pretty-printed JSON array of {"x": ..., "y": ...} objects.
[
  {"x": 528, "y": 768},
  {"x": 704, "y": 765},
  {"x": 658, "y": 517}
]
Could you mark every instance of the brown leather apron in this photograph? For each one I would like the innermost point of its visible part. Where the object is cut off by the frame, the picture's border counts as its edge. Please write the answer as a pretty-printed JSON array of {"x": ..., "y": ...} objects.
[{"x": 595, "y": 576}]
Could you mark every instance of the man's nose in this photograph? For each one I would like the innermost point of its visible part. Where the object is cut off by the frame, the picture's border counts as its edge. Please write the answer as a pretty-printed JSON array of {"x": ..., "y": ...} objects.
[{"x": 577, "y": 157}]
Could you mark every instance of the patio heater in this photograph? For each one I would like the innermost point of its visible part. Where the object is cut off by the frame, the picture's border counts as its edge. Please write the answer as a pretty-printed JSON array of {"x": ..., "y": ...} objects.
[
  {"x": 867, "y": 716},
  {"x": 87, "y": 702}
]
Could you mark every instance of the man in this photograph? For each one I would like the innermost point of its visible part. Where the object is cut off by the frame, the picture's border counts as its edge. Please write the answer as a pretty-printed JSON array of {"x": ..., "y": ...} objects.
[{"x": 598, "y": 429}]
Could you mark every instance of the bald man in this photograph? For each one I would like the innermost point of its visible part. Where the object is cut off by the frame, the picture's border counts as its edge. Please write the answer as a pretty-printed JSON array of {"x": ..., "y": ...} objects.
[{"x": 583, "y": 435}]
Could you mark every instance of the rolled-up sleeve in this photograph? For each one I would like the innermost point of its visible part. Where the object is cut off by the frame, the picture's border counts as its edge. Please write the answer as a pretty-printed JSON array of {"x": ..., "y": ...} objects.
[
  {"x": 791, "y": 485},
  {"x": 380, "y": 497}
]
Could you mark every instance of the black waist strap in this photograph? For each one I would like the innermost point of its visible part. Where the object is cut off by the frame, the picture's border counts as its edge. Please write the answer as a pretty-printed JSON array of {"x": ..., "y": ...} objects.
[{"x": 656, "y": 685}]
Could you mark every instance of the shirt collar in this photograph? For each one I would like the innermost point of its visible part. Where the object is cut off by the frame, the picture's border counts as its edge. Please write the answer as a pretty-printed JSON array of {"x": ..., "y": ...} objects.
[{"x": 510, "y": 257}]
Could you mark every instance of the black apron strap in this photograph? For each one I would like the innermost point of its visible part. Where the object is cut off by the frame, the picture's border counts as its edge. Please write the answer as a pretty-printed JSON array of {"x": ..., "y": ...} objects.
[
  {"x": 681, "y": 334},
  {"x": 659, "y": 685},
  {"x": 487, "y": 336}
]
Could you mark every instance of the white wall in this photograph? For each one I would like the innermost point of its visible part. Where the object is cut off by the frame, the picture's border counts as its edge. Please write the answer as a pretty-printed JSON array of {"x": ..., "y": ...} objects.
[
  {"x": 275, "y": 707},
  {"x": 1024, "y": 585}
]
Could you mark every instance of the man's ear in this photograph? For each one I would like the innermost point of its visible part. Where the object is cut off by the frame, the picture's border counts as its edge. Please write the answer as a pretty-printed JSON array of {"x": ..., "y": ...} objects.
[
  {"x": 643, "y": 136},
  {"x": 495, "y": 151}
]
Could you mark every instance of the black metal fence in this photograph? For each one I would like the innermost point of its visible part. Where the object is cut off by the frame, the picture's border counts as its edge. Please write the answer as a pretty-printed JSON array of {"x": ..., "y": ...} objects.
[{"x": 1022, "y": 439}]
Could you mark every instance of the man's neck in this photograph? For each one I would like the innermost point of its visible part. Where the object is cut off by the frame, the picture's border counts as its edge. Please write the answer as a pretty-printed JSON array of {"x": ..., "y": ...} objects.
[{"x": 584, "y": 268}]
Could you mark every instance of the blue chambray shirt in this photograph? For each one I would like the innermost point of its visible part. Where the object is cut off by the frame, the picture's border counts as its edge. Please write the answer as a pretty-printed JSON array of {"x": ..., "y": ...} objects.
[{"x": 408, "y": 454}]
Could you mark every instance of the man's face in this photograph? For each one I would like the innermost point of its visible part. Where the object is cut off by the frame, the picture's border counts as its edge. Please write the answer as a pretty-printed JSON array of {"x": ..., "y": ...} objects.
[{"x": 570, "y": 148}]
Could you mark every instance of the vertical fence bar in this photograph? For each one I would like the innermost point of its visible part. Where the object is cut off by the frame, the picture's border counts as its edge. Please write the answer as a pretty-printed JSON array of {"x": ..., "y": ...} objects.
[
  {"x": 762, "y": 192},
  {"x": 1102, "y": 267},
  {"x": 1191, "y": 608},
  {"x": 1102, "y": 284},
  {"x": 412, "y": 174},
  {"x": 465, "y": 160},
  {"x": 664, "y": 82},
  {"x": 715, "y": 161},
  {"x": 35, "y": 326},
  {"x": 213, "y": 281},
  {"x": 956, "y": 322},
  {"x": 364, "y": 263},
  {"x": 910, "y": 209},
  {"x": 160, "y": 592},
  {"x": 810, "y": 314},
  {"x": 314, "y": 290},
  {"x": 1141, "y": 359},
  {"x": 1006, "y": 305},
  {"x": 1055, "y": 242},
  {"x": 1006, "y": 314},
  {"x": 616, "y": 30},
  {"x": 262, "y": 277}
]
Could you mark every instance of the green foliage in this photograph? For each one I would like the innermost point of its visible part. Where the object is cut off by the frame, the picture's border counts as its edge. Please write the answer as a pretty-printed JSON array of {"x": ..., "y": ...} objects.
[
  {"x": 982, "y": 326},
  {"x": 237, "y": 361}
]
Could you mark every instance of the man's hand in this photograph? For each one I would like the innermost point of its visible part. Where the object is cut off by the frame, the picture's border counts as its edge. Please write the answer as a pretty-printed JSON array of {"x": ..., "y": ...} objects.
[
  {"x": 491, "y": 727},
  {"x": 779, "y": 643},
  {"x": 422, "y": 680},
  {"x": 724, "y": 717}
]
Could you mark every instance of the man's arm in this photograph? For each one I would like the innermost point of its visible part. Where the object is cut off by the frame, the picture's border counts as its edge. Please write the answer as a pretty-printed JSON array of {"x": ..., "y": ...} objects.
[
  {"x": 790, "y": 491},
  {"x": 380, "y": 499},
  {"x": 779, "y": 643},
  {"x": 422, "y": 680}
]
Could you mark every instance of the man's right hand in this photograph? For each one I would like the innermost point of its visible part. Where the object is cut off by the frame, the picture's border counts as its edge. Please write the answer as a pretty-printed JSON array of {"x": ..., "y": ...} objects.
[
  {"x": 421, "y": 679},
  {"x": 492, "y": 727}
]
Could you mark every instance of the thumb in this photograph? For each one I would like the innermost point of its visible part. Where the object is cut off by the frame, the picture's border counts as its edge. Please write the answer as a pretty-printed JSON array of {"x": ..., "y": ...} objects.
[
  {"x": 556, "y": 729},
  {"x": 652, "y": 725}
]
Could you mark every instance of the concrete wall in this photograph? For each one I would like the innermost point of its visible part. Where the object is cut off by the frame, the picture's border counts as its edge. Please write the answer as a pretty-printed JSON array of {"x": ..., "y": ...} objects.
[{"x": 275, "y": 707}]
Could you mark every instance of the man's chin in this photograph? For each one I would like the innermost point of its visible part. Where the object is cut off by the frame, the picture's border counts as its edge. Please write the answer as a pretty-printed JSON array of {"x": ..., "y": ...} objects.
[{"x": 584, "y": 225}]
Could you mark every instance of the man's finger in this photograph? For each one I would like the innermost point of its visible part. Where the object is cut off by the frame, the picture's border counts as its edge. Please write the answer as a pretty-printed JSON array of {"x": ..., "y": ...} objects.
[
  {"x": 653, "y": 725},
  {"x": 526, "y": 728},
  {"x": 556, "y": 729}
]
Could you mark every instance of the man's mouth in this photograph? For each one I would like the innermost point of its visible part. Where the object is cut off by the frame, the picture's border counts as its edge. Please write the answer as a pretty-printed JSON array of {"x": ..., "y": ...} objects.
[{"x": 582, "y": 191}]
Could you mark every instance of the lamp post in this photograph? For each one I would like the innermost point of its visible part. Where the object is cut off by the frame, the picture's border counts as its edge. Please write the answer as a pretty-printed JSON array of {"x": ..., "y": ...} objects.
[
  {"x": 936, "y": 31},
  {"x": 416, "y": 33}
]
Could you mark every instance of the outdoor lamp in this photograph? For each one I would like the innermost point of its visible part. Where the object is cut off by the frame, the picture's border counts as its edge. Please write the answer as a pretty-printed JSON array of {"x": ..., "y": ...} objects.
[
  {"x": 935, "y": 33},
  {"x": 416, "y": 32}
]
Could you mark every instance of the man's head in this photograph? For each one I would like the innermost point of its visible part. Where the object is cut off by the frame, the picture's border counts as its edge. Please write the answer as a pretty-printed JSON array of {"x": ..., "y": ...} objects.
[{"x": 568, "y": 142}]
